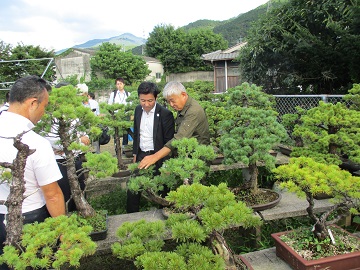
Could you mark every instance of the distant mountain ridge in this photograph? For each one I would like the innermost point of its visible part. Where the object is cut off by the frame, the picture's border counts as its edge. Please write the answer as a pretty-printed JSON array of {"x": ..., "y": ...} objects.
[
  {"x": 126, "y": 40},
  {"x": 233, "y": 30}
]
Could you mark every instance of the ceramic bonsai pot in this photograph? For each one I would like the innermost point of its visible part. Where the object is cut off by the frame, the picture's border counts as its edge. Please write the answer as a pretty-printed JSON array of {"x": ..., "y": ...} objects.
[
  {"x": 100, "y": 235},
  {"x": 344, "y": 262},
  {"x": 261, "y": 207}
]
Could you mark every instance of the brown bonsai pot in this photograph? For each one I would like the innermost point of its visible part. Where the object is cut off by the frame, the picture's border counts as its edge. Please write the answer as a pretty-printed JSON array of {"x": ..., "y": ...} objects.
[
  {"x": 268, "y": 205},
  {"x": 344, "y": 262},
  {"x": 270, "y": 197}
]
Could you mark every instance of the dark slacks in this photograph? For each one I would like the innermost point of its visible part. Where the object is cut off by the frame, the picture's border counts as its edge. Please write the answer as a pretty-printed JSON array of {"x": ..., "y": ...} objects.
[
  {"x": 64, "y": 182},
  {"x": 133, "y": 199}
]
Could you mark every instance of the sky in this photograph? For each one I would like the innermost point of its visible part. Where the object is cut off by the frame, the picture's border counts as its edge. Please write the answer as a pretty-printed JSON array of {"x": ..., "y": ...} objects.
[{"x": 57, "y": 25}]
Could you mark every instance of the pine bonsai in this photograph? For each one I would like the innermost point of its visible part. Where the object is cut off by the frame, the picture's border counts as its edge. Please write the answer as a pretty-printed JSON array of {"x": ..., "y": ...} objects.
[
  {"x": 191, "y": 165},
  {"x": 54, "y": 242},
  {"x": 329, "y": 133},
  {"x": 200, "y": 215},
  {"x": 118, "y": 119},
  {"x": 308, "y": 178},
  {"x": 66, "y": 112},
  {"x": 251, "y": 131},
  {"x": 13, "y": 173}
]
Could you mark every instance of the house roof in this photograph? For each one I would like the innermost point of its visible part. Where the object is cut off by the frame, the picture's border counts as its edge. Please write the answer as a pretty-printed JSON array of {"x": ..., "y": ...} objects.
[{"x": 228, "y": 54}]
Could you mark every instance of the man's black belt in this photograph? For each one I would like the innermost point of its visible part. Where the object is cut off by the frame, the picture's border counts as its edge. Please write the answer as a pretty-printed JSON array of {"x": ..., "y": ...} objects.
[{"x": 150, "y": 152}]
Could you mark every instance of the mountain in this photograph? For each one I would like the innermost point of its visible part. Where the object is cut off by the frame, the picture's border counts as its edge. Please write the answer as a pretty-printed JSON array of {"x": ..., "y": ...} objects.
[
  {"x": 233, "y": 30},
  {"x": 127, "y": 41}
]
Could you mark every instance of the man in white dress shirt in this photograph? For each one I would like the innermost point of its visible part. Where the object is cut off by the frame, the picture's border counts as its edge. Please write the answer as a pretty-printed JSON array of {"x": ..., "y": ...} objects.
[{"x": 43, "y": 196}]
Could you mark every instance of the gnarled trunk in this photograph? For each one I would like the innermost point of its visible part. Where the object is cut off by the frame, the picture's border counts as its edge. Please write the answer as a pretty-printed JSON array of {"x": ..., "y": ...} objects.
[
  {"x": 14, "y": 219},
  {"x": 219, "y": 247},
  {"x": 82, "y": 205}
]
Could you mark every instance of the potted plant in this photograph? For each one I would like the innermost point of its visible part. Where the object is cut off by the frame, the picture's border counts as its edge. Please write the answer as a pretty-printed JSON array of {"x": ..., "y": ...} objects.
[
  {"x": 329, "y": 132},
  {"x": 200, "y": 215},
  {"x": 118, "y": 119},
  {"x": 191, "y": 165},
  {"x": 248, "y": 135},
  {"x": 54, "y": 242},
  {"x": 321, "y": 245},
  {"x": 66, "y": 112},
  {"x": 289, "y": 121}
]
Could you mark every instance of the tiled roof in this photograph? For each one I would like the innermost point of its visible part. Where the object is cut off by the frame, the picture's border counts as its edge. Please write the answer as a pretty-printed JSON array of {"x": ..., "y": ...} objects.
[{"x": 228, "y": 54}]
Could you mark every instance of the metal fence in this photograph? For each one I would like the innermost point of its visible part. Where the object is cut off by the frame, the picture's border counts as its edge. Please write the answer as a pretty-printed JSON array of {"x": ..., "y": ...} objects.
[{"x": 287, "y": 103}]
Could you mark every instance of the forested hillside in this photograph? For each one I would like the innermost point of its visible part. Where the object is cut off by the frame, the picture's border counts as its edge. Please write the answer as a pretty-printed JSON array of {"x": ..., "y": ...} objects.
[{"x": 235, "y": 29}]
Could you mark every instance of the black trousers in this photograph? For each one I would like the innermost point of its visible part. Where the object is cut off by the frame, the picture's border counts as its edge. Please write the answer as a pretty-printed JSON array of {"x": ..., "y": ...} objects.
[
  {"x": 133, "y": 199},
  {"x": 64, "y": 182}
]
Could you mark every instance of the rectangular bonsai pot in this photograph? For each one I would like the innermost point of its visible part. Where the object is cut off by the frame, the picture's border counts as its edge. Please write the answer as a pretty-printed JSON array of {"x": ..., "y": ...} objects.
[
  {"x": 100, "y": 235},
  {"x": 350, "y": 261}
]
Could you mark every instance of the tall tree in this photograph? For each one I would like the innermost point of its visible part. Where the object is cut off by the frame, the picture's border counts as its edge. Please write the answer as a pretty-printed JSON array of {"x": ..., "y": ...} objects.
[
  {"x": 111, "y": 62},
  {"x": 180, "y": 51},
  {"x": 33, "y": 61},
  {"x": 311, "y": 44}
]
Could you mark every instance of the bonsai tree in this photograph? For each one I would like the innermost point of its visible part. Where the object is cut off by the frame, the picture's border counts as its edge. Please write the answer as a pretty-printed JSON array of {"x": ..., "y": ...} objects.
[
  {"x": 52, "y": 243},
  {"x": 353, "y": 97},
  {"x": 216, "y": 112},
  {"x": 118, "y": 118},
  {"x": 290, "y": 120},
  {"x": 329, "y": 132},
  {"x": 66, "y": 112},
  {"x": 38, "y": 244},
  {"x": 201, "y": 213},
  {"x": 14, "y": 173},
  {"x": 308, "y": 178},
  {"x": 191, "y": 165},
  {"x": 251, "y": 131}
]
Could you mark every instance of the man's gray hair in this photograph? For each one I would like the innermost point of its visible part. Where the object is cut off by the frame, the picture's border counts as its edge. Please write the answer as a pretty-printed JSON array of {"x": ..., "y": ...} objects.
[{"x": 173, "y": 88}]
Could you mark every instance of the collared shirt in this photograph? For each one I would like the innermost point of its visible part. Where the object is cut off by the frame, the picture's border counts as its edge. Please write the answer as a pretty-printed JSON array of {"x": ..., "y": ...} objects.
[
  {"x": 191, "y": 122},
  {"x": 5, "y": 107},
  {"x": 41, "y": 167},
  {"x": 94, "y": 106},
  {"x": 146, "y": 130},
  {"x": 120, "y": 97}
]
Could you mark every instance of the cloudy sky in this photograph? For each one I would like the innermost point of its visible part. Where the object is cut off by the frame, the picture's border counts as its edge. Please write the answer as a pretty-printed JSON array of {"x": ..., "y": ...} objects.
[{"x": 58, "y": 25}]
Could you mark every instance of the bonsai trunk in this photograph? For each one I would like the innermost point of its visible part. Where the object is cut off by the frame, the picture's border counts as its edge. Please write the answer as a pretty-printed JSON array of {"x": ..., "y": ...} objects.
[
  {"x": 82, "y": 205},
  {"x": 14, "y": 219},
  {"x": 118, "y": 150},
  {"x": 220, "y": 247},
  {"x": 319, "y": 229},
  {"x": 250, "y": 176},
  {"x": 151, "y": 196}
]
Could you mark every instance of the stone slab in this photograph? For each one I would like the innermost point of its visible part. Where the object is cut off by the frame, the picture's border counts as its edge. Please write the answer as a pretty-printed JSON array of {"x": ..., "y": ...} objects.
[{"x": 266, "y": 260}]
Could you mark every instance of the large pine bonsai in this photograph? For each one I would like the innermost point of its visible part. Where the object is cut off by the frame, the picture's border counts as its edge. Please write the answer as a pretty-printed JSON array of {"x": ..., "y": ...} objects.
[
  {"x": 251, "y": 131},
  {"x": 200, "y": 215}
]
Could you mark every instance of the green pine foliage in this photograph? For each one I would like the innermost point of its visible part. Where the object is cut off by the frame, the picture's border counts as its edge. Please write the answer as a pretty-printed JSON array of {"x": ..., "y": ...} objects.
[
  {"x": 252, "y": 130},
  {"x": 308, "y": 178},
  {"x": 329, "y": 131},
  {"x": 51, "y": 244},
  {"x": 191, "y": 165},
  {"x": 198, "y": 217},
  {"x": 117, "y": 119}
]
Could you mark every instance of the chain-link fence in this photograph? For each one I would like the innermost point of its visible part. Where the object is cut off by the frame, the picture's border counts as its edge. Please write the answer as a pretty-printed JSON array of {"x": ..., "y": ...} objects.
[{"x": 287, "y": 103}]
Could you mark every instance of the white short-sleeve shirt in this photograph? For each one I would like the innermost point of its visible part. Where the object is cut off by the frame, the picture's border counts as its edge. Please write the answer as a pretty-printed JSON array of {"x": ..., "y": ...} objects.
[{"x": 41, "y": 167}]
